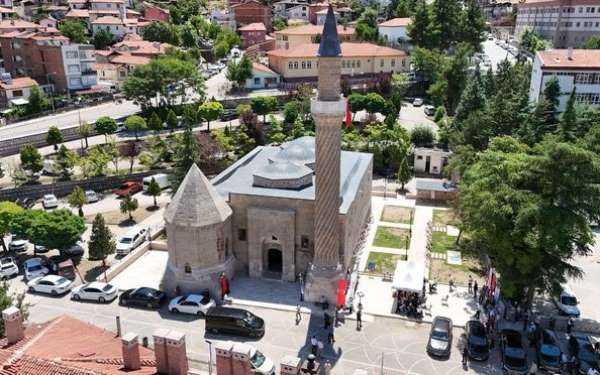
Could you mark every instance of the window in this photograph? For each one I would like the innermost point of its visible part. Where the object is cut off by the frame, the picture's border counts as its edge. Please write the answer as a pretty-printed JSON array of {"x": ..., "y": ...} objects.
[
  {"x": 403, "y": 63},
  {"x": 290, "y": 65},
  {"x": 304, "y": 242},
  {"x": 242, "y": 234},
  {"x": 419, "y": 157},
  {"x": 303, "y": 64},
  {"x": 17, "y": 92},
  {"x": 72, "y": 54},
  {"x": 393, "y": 62},
  {"x": 309, "y": 65},
  {"x": 295, "y": 64},
  {"x": 257, "y": 80},
  {"x": 188, "y": 268},
  {"x": 381, "y": 63},
  {"x": 358, "y": 63}
]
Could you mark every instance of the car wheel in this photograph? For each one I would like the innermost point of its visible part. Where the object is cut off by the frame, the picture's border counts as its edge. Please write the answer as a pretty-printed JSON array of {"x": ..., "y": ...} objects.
[
  {"x": 101, "y": 300},
  {"x": 53, "y": 292},
  {"x": 76, "y": 297},
  {"x": 200, "y": 313},
  {"x": 31, "y": 289},
  {"x": 175, "y": 311}
]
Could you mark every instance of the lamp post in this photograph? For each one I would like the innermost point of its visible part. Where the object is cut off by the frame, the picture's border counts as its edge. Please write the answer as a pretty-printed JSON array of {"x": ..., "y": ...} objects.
[{"x": 209, "y": 356}]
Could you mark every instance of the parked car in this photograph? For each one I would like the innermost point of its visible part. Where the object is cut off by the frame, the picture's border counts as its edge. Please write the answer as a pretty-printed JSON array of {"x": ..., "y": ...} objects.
[
  {"x": 94, "y": 291},
  {"x": 8, "y": 267},
  {"x": 121, "y": 127},
  {"x": 566, "y": 302},
  {"x": 195, "y": 304},
  {"x": 429, "y": 110},
  {"x": 50, "y": 284},
  {"x": 17, "y": 244},
  {"x": 162, "y": 179},
  {"x": 229, "y": 114},
  {"x": 39, "y": 249},
  {"x": 477, "y": 344},
  {"x": 514, "y": 356},
  {"x": 548, "y": 351},
  {"x": 232, "y": 321},
  {"x": 581, "y": 346},
  {"x": 49, "y": 201},
  {"x": 75, "y": 250},
  {"x": 34, "y": 267},
  {"x": 132, "y": 239},
  {"x": 62, "y": 265},
  {"x": 91, "y": 196},
  {"x": 144, "y": 296},
  {"x": 417, "y": 102},
  {"x": 260, "y": 363},
  {"x": 128, "y": 188},
  {"x": 440, "y": 337}
]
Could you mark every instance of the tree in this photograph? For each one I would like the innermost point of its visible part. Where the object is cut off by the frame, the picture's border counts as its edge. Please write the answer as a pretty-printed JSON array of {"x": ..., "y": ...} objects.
[
  {"x": 238, "y": 72},
  {"x": 128, "y": 205},
  {"x": 592, "y": 43},
  {"x": 102, "y": 39},
  {"x": 532, "y": 42},
  {"x": 37, "y": 101},
  {"x": 552, "y": 92},
  {"x": 135, "y": 124},
  {"x": 210, "y": 111},
  {"x": 472, "y": 25},
  {"x": 224, "y": 42},
  {"x": 445, "y": 15},
  {"x": 162, "y": 32},
  {"x": 65, "y": 161},
  {"x": 106, "y": 125},
  {"x": 101, "y": 242},
  {"x": 94, "y": 163},
  {"x": 244, "y": 111},
  {"x": 472, "y": 98},
  {"x": 568, "y": 121},
  {"x": 187, "y": 153},
  {"x": 154, "y": 190},
  {"x": 357, "y": 102},
  {"x": 366, "y": 26},
  {"x": 31, "y": 159},
  {"x": 244, "y": 143},
  {"x": 172, "y": 121},
  {"x": 280, "y": 23},
  {"x": 8, "y": 210},
  {"x": 276, "y": 135},
  {"x": 154, "y": 123},
  {"x": 189, "y": 36},
  {"x": 374, "y": 103},
  {"x": 404, "y": 171},
  {"x": 422, "y": 135},
  {"x": 263, "y": 105},
  {"x": 56, "y": 229},
  {"x": 54, "y": 137},
  {"x": 419, "y": 30},
  {"x": 85, "y": 130},
  {"x": 388, "y": 145},
  {"x": 399, "y": 85},
  {"x": 291, "y": 110},
  {"x": 77, "y": 199},
  {"x": 75, "y": 30}
]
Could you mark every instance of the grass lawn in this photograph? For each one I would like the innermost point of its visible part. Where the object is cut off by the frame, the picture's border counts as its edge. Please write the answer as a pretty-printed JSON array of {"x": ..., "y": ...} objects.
[
  {"x": 384, "y": 262},
  {"x": 395, "y": 214},
  {"x": 444, "y": 217},
  {"x": 391, "y": 237},
  {"x": 441, "y": 272},
  {"x": 118, "y": 218},
  {"x": 441, "y": 242}
]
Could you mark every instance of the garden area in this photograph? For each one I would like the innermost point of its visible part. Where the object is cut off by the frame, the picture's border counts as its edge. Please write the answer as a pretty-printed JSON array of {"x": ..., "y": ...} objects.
[
  {"x": 396, "y": 214},
  {"x": 382, "y": 263},
  {"x": 398, "y": 238},
  {"x": 442, "y": 272},
  {"x": 444, "y": 217},
  {"x": 442, "y": 242}
]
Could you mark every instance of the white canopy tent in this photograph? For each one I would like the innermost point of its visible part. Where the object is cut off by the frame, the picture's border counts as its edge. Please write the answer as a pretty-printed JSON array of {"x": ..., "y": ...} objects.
[{"x": 409, "y": 276}]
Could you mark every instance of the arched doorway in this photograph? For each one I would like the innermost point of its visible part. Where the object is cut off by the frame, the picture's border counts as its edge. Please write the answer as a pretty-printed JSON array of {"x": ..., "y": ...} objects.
[{"x": 274, "y": 260}]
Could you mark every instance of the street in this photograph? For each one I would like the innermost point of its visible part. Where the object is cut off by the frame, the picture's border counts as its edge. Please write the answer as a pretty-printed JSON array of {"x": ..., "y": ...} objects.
[{"x": 496, "y": 53}]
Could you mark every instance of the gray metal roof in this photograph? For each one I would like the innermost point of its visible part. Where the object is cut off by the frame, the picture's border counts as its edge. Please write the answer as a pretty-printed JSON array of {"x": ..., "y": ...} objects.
[
  {"x": 283, "y": 170},
  {"x": 330, "y": 42},
  {"x": 297, "y": 153},
  {"x": 196, "y": 202},
  {"x": 435, "y": 185}
]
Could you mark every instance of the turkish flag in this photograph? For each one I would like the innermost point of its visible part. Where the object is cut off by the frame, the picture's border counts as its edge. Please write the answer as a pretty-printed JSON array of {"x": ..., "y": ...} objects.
[
  {"x": 341, "y": 293},
  {"x": 348, "y": 114}
]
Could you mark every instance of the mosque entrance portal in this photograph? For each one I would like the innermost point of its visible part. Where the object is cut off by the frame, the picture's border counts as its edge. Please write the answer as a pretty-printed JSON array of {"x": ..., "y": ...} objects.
[{"x": 274, "y": 260}]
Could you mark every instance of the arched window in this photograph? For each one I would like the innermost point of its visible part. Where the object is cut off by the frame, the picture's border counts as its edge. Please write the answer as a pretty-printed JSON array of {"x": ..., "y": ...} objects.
[{"x": 290, "y": 65}]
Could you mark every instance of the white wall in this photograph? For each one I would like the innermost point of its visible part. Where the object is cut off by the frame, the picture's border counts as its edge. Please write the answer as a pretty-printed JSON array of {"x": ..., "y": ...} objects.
[
  {"x": 436, "y": 163},
  {"x": 392, "y": 34},
  {"x": 258, "y": 80}
]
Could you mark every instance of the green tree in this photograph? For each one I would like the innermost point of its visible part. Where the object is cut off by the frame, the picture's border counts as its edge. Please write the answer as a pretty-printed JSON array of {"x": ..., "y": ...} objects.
[
  {"x": 399, "y": 85},
  {"x": 85, "y": 130},
  {"x": 187, "y": 153},
  {"x": 128, "y": 205},
  {"x": 154, "y": 154},
  {"x": 263, "y": 105},
  {"x": 532, "y": 42},
  {"x": 388, "y": 145},
  {"x": 592, "y": 43},
  {"x": 77, "y": 199},
  {"x": 102, "y": 39},
  {"x": 162, "y": 32},
  {"x": 31, "y": 159},
  {"x": 568, "y": 122},
  {"x": 244, "y": 111},
  {"x": 552, "y": 93},
  {"x": 224, "y": 42},
  {"x": 366, "y": 26},
  {"x": 56, "y": 229},
  {"x": 244, "y": 142},
  {"x": 94, "y": 163},
  {"x": 238, "y": 72},
  {"x": 8, "y": 210},
  {"x": 374, "y": 103},
  {"x": 280, "y": 23},
  {"x": 54, "y": 137},
  {"x": 276, "y": 135},
  {"x": 472, "y": 25},
  {"x": 135, "y": 124},
  {"x": 357, "y": 102},
  {"x": 154, "y": 190},
  {"x": 405, "y": 172},
  {"x": 422, "y": 135},
  {"x": 75, "y": 30},
  {"x": 101, "y": 243},
  {"x": 172, "y": 121},
  {"x": 420, "y": 29},
  {"x": 154, "y": 123},
  {"x": 472, "y": 98},
  {"x": 445, "y": 16},
  {"x": 291, "y": 110},
  {"x": 106, "y": 125},
  {"x": 37, "y": 101},
  {"x": 189, "y": 36},
  {"x": 210, "y": 111},
  {"x": 65, "y": 161}
]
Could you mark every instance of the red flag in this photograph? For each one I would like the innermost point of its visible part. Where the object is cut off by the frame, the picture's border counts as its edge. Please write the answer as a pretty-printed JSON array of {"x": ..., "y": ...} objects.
[
  {"x": 348, "y": 114},
  {"x": 341, "y": 293}
]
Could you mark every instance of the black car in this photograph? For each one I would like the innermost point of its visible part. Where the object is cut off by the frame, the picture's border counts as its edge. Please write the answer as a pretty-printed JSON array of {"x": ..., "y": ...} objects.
[
  {"x": 75, "y": 250},
  {"x": 581, "y": 346},
  {"x": 238, "y": 322},
  {"x": 229, "y": 114},
  {"x": 477, "y": 343},
  {"x": 440, "y": 337},
  {"x": 514, "y": 356},
  {"x": 145, "y": 297}
]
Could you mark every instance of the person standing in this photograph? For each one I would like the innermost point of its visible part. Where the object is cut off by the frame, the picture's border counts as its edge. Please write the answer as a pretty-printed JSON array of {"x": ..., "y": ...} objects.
[
  {"x": 224, "y": 283},
  {"x": 326, "y": 320},
  {"x": 359, "y": 318},
  {"x": 298, "y": 315},
  {"x": 301, "y": 280},
  {"x": 570, "y": 324},
  {"x": 313, "y": 345},
  {"x": 475, "y": 289},
  {"x": 465, "y": 355},
  {"x": 470, "y": 284},
  {"x": 320, "y": 349}
]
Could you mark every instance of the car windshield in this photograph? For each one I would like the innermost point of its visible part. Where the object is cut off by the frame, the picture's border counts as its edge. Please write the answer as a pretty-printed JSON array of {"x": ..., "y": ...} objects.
[
  {"x": 569, "y": 301},
  {"x": 35, "y": 267},
  {"x": 126, "y": 240},
  {"x": 250, "y": 319},
  {"x": 107, "y": 288},
  {"x": 257, "y": 359},
  {"x": 60, "y": 280},
  {"x": 439, "y": 334},
  {"x": 477, "y": 330},
  {"x": 514, "y": 362},
  {"x": 550, "y": 358}
]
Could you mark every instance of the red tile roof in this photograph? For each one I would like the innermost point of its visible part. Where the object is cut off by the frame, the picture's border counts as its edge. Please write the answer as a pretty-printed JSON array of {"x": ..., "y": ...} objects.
[
  {"x": 78, "y": 13},
  {"x": 348, "y": 50},
  {"x": 256, "y": 26},
  {"x": 396, "y": 22},
  {"x": 313, "y": 30},
  {"x": 580, "y": 59},
  {"x": 129, "y": 59},
  {"x": 17, "y": 24},
  {"x": 18, "y": 83},
  {"x": 141, "y": 47},
  {"x": 108, "y": 20},
  {"x": 262, "y": 68}
]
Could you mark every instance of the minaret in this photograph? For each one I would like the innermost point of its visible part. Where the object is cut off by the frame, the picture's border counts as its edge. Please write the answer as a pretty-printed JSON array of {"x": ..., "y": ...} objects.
[{"x": 328, "y": 111}]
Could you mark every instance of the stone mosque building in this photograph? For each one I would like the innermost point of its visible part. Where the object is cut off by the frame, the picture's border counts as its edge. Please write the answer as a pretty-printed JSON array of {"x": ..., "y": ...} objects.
[{"x": 259, "y": 216}]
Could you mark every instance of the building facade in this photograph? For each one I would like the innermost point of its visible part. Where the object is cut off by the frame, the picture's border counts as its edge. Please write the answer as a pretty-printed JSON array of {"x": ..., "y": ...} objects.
[
  {"x": 15, "y": 91},
  {"x": 252, "y": 34},
  {"x": 394, "y": 31},
  {"x": 577, "y": 70},
  {"x": 297, "y": 35},
  {"x": 430, "y": 160},
  {"x": 565, "y": 23},
  {"x": 252, "y": 11},
  {"x": 79, "y": 62},
  {"x": 262, "y": 78}
]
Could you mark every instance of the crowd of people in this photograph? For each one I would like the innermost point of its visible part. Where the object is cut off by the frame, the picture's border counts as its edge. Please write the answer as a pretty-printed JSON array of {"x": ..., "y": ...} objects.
[{"x": 408, "y": 304}]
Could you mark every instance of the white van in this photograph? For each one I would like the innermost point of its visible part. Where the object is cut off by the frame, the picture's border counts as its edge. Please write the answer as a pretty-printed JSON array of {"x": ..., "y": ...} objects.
[
  {"x": 161, "y": 178},
  {"x": 131, "y": 240},
  {"x": 566, "y": 302}
]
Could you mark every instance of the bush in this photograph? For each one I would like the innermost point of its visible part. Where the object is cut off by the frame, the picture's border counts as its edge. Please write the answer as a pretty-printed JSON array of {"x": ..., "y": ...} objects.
[
  {"x": 440, "y": 112},
  {"x": 422, "y": 135}
]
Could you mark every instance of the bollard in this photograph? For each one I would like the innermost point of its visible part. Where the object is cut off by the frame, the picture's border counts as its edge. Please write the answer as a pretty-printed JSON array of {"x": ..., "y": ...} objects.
[{"x": 118, "y": 326}]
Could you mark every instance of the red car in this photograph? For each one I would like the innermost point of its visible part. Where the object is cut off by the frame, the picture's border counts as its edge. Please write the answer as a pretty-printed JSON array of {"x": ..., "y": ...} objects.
[{"x": 128, "y": 188}]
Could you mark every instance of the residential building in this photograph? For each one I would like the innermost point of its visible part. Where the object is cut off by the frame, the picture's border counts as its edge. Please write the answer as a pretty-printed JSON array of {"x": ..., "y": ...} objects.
[
  {"x": 361, "y": 62},
  {"x": 114, "y": 5},
  {"x": 77, "y": 4},
  {"x": 6, "y": 13},
  {"x": 435, "y": 190},
  {"x": 155, "y": 13},
  {"x": 252, "y": 11},
  {"x": 297, "y": 12},
  {"x": 565, "y": 23},
  {"x": 575, "y": 69},
  {"x": 6, "y": 3},
  {"x": 119, "y": 26},
  {"x": 280, "y": 8},
  {"x": 394, "y": 31},
  {"x": 313, "y": 9},
  {"x": 430, "y": 160},
  {"x": 262, "y": 78},
  {"x": 79, "y": 61},
  {"x": 252, "y": 34},
  {"x": 294, "y": 36},
  {"x": 322, "y": 14},
  {"x": 17, "y": 25},
  {"x": 15, "y": 91},
  {"x": 134, "y": 44},
  {"x": 224, "y": 18},
  {"x": 118, "y": 66}
]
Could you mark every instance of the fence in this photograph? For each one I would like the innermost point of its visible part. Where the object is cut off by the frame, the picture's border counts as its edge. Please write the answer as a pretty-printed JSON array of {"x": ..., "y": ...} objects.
[
  {"x": 13, "y": 146},
  {"x": 63, "y": 188}
]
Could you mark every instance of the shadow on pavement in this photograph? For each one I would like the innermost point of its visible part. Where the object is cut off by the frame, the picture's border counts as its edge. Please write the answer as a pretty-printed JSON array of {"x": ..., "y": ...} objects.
[{"x": 331, "y": 351}]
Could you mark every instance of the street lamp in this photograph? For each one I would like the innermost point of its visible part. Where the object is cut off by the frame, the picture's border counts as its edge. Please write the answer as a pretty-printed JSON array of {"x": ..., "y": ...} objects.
[{"x": 209, "y": 356}]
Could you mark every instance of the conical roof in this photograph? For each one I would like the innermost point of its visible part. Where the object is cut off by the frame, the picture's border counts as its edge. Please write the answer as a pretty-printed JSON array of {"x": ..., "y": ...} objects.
[
  {"x": 196, "y": 202},
  {"x": 330, "y": 42}
]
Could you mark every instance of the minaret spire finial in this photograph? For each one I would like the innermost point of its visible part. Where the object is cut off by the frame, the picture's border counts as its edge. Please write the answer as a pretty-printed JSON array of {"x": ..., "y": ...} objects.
[{"x": 330, "y": 42}]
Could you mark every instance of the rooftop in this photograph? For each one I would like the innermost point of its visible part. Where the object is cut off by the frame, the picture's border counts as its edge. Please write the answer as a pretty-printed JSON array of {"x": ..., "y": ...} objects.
[
  {"x": 129, "y": 59},
  {"x": 348, "y": 50},
  {"x": 435, "y": 185},
  {"x": 262, "y": 68},
  {"x": 17, "y": 24},
  {"x": 396, "y": 22},
  {"x": 78, "y": 13},
  {"x": 311, "y": 29},
  {"x": 256, "y": 26},
  {"x": 580, "y": 58},
  {"x": 18, "y": 83}
]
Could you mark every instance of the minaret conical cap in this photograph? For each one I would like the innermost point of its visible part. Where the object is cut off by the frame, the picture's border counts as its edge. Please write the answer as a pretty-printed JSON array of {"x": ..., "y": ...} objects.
[{"x": 330, "y": 42}]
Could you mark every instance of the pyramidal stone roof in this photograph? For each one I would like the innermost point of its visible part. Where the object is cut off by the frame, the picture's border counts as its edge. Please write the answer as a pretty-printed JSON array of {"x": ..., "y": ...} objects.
[
  {"x": 330, "y": 42},
  {"x": 196, "y": 202}
]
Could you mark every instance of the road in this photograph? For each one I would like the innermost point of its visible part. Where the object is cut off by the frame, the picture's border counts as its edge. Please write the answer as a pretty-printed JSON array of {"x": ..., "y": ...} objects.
[{"x": 496, "y": 53}]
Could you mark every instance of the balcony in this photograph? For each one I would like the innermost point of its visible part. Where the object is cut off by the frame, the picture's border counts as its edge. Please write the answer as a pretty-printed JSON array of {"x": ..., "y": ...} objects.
[{"x": 88, "y": 72}]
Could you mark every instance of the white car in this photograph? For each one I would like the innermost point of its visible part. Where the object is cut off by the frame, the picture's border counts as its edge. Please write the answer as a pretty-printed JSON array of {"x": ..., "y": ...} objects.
[
  {"x": 132, "y": 239},
  {"x": 94, "y": 291},
  {"x": 195, "y": 304},
  {"x": 50, "y": 284},
  {"x": 50, "y": 201},
  {"x": 91, "y": 196},
  {"x": 417, "y": 102},
  {"x": 34, "y": 268},
  {"x": 8, "y": 267},
  {"x": 17, "y": 244},
  {"x": 260, "y": 363}
]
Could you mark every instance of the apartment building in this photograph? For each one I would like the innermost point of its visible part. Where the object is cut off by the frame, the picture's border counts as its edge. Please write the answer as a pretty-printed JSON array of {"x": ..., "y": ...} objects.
[
  {"x": 15, "y": 91},
  {"x": 295, "y": 36},
  {"x": 119, "y": 26},
  {"x": 576, "y": 69},
  {"x": 565, "y": 23},
  {"x": 280, "y": 8},
  {"x": 252, "y": 11},
  {"x": 50, "y": 59},
  {"x": 394, "y": 31}
]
